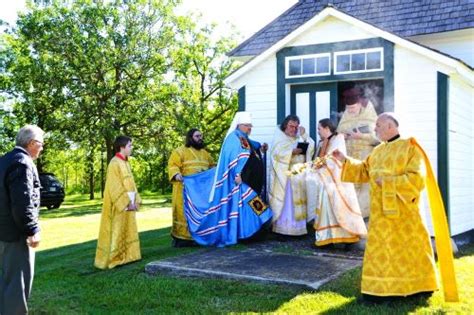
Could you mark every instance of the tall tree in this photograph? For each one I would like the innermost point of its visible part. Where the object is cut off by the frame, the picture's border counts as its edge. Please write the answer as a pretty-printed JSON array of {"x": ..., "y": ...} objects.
[
  {"x": 200, "y": 67},
  {"x": 87, "y": 71},
  {"x": 86, "y": 67}
]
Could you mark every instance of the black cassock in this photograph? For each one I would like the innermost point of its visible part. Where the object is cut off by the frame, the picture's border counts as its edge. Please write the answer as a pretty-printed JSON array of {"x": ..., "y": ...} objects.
[{"x": 253, "y": 172}]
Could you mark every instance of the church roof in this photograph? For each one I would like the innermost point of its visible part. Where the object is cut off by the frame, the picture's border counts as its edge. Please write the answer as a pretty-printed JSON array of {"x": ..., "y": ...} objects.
[{"x": 404, "y": 18}]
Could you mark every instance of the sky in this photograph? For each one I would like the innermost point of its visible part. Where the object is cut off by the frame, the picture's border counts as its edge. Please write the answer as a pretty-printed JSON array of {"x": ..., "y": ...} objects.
[{"x": 248, "y": 16}]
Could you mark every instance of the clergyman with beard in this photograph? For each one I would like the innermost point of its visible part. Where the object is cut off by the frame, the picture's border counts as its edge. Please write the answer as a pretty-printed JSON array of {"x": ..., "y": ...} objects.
[{"x": 188, "y": 159}]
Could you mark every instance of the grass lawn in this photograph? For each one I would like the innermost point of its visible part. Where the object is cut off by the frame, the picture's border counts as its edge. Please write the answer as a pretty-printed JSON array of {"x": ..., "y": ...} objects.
[{"x": 67, "y": 283}]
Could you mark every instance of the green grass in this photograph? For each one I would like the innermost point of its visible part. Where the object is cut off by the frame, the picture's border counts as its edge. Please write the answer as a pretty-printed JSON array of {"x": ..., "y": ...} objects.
[{"x": 67, "y": 283}]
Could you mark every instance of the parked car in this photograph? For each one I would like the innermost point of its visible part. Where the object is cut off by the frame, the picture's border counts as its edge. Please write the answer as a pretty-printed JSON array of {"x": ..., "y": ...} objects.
[{"x": 52, "y": 191}]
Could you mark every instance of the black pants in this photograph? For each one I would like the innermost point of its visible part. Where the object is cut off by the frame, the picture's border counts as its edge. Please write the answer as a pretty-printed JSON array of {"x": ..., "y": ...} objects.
[{"x": 17, "y": 262}]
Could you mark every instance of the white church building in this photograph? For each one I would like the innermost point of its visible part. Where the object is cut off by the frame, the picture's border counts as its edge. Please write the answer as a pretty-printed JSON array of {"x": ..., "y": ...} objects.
[{"x": 414, "y": 58}]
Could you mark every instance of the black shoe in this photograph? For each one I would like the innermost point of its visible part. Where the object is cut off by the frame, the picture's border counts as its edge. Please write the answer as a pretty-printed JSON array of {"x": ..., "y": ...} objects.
[
  {"x": 327, "y": 246},
  {"x": 375, "y": 299},
  {"x": 178, "y": 243},
  {"x": 421, "y": 295}
]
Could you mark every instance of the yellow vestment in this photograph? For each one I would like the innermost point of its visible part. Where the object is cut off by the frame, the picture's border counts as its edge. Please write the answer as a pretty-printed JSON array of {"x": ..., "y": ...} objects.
[
  {"x": 118, "y": 241},
  {"x": 185, "y": 161},
  {"x": 398, "y": 259},
  {"x": 360, "y": 148}
]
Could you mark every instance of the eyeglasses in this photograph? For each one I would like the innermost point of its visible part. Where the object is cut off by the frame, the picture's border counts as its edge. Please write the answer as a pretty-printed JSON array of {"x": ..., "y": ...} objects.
[{"x": 39, "y": 142}]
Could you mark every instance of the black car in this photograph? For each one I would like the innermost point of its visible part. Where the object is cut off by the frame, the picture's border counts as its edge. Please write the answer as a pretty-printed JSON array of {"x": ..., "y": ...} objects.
[{"x": 52, "y": 191}]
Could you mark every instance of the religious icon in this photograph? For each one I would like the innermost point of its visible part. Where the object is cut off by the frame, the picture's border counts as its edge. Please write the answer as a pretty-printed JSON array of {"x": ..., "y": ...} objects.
[{"x": 258, "y": 205}]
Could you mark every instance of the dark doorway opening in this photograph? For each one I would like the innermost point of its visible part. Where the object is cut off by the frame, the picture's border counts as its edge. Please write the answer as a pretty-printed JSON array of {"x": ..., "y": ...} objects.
[{"x": 372, "y": 91}]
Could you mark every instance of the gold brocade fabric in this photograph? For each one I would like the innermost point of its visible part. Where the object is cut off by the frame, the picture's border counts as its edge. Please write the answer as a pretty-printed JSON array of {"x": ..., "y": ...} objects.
[
  {"x": 398, "y": 259},
  {"x": 118, "y": 241},
  {"x": 338, "y": 219},
  {"x": 186, "y": 161},
  {"x": 360, "y": 148},
  {"x": 282, "y": 163}
]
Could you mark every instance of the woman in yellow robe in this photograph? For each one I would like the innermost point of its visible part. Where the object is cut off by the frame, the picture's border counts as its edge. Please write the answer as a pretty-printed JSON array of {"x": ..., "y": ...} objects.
[
  {"x": 186, "y": 160},
  {"x": 118, "y": 241},
  {"x": 398, "y": 259}
]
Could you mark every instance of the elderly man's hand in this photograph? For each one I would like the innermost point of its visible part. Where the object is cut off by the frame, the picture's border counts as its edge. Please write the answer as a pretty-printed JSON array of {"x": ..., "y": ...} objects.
[
  {"x": 378, "y": 181},
  {"x": 339, "y": 155},
  {"x": 356, "y": 134},
  {"x": 33, "y": 241},
  {"x": 297, "y": 151},
  {"x": 301, "y": 130}
]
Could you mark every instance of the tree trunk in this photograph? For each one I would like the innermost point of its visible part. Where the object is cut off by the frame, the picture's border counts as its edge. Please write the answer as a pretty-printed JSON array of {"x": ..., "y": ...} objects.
[
  {"x": 102, "y": 172},
  {"x": 90, "y": 172},
  {"x": 39, "y": 165},
  {"x": 109, "y": 144},
  {"x": 164, "y": 168}
]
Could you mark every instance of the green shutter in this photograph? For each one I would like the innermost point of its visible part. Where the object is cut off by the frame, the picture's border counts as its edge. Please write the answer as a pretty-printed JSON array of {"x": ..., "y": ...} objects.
[
  {"x": 241, "y": 96},
  {"x": 443, "y": 138}
]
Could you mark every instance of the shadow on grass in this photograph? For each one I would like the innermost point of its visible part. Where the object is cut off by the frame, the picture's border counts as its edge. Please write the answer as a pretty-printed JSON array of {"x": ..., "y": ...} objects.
[
  {"x": 80, "y": 207},
  {"x": 398, "y": 306},
  {"x": 67, "y": 282},
  {"x": 357, "y": 306}
]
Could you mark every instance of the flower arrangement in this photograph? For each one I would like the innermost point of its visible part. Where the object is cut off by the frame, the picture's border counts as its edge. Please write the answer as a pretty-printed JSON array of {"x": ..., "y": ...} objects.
[{"x": 320, "y": 162}]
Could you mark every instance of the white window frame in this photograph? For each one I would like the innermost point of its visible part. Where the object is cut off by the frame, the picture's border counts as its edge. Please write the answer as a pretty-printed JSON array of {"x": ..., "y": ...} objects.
[
  {"x": 352, "y": 52},
  {"x": 301, "y": 57}
]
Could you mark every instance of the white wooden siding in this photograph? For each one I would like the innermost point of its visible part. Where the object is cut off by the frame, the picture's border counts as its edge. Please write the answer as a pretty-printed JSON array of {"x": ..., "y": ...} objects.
[
  {"x": 415, "y": 88},
  {"x": 415, "y": 99},
  {"x": 416, "y": 103},
  {"x": 330, "y": 30},
  {"x": 461, "y": 163},
  {"x": 260, "y": 98},
  {"x": 459, "y": 44}
]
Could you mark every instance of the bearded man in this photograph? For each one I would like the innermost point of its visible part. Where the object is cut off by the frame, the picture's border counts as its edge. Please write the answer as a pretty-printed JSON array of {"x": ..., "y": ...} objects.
[
  {"x": 287, "y": 192},
  {"x": 223, "y": 205},
  {"x": 186, "y": 160}
]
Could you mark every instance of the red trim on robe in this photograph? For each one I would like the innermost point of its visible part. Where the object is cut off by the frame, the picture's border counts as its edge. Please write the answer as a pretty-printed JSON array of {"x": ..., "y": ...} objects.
[{"x": 120, "y": 156}]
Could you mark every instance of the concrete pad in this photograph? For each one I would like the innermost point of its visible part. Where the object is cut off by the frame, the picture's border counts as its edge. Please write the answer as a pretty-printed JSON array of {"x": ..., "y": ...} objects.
[{"x": 271, "y": 261}]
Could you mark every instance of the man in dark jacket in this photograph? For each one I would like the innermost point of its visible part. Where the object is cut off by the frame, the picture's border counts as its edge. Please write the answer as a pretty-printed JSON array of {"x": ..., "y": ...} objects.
[{"x": 19, "y": 229}]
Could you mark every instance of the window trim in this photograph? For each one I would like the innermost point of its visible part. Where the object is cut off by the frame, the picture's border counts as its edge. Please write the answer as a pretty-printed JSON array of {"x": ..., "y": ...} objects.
[
  {"x": 301, "y": 57},
  {"x": 358, "y": 51}
]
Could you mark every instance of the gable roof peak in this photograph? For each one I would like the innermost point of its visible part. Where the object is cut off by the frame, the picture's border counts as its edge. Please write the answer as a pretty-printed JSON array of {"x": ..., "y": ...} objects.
[{"x": 404, "y": 18}]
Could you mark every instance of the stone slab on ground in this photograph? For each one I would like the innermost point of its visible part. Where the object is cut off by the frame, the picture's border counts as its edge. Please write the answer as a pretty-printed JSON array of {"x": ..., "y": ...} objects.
[{"x": 286, "y": 262}]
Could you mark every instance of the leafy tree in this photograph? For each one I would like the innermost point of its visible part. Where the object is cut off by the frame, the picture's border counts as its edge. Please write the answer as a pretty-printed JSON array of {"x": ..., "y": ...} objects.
[
  {"x": 87, "y": 71},
  {"x": 200, "y": 67},
  {"x": 85, "y": 68}
]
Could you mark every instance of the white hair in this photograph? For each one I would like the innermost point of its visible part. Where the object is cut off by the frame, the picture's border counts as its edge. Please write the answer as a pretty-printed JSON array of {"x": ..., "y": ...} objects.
[
  {"x": 28, "y": 133},
  {"x": 390, "y": 116}
]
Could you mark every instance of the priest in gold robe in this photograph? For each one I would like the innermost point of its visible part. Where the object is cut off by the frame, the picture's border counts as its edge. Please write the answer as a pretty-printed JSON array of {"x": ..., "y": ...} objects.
[
  {"x": 357, "y": 125},
  {"x": 118, "y": 241},
  {"x": 186, "y": 160},
  {"x": 287, "y": 192},
  {"x": 398, "y": 259}
]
